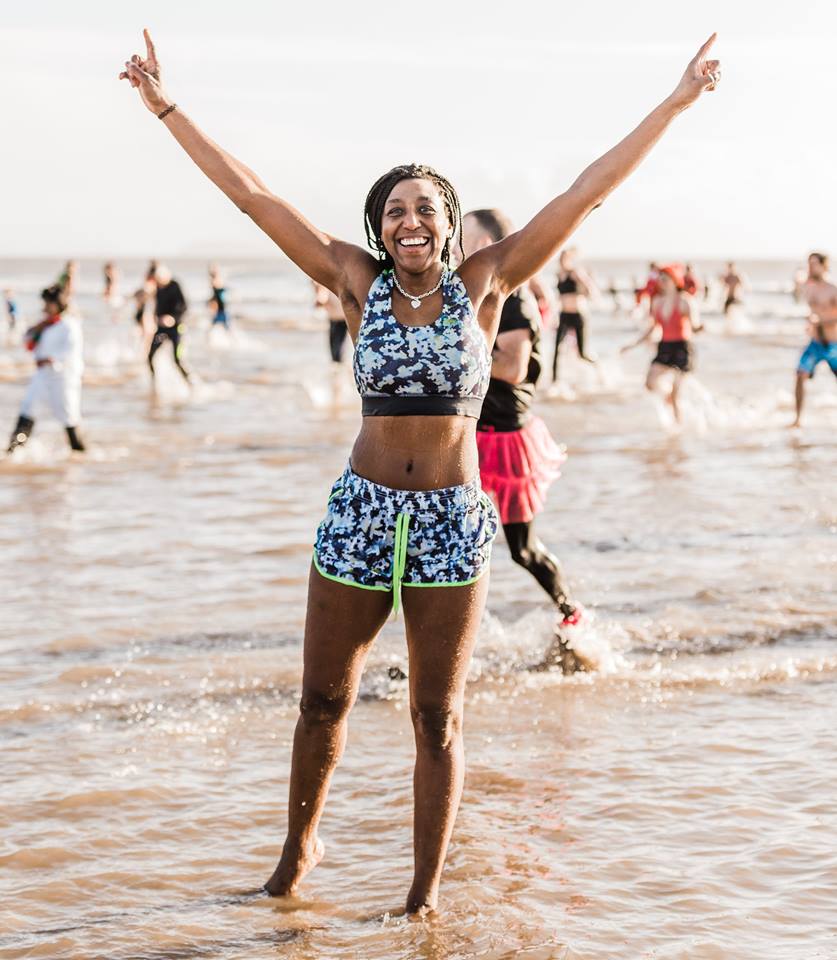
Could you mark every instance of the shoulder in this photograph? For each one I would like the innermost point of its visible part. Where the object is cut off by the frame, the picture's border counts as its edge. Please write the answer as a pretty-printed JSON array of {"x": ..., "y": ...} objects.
[
  {"x": 361, "y": 271},
  {"x": 520, "y": 312}
]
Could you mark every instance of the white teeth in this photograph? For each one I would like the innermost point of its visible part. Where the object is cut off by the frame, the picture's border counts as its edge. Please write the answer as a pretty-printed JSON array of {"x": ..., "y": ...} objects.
[{"x": 413, "y": 241}]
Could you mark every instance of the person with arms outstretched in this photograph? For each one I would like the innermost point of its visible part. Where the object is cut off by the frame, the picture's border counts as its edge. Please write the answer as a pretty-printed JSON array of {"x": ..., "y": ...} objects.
[{"x": 408, "y": 512}]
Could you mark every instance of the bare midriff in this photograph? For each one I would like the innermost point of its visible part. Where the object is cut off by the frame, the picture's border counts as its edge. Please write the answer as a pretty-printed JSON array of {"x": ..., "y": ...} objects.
[
  {"x": 571, "y": 303},
  {"x": 416, "y": 453}
]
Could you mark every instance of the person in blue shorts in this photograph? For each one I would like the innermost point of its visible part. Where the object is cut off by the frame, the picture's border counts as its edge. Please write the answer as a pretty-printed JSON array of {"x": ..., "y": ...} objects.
[{"x": 821, "y": 296}]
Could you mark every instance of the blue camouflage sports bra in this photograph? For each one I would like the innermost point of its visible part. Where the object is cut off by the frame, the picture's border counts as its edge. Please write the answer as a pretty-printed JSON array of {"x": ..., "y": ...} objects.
[{"x": 437, "y": 369}]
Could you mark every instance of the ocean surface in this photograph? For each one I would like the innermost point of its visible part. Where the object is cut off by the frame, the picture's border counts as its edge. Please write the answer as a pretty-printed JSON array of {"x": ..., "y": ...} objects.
[{"x": 675, "y": 802}]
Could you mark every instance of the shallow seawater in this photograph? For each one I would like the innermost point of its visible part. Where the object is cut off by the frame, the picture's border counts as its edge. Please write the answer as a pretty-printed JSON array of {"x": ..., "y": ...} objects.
[{"x": 677, "y": 802}]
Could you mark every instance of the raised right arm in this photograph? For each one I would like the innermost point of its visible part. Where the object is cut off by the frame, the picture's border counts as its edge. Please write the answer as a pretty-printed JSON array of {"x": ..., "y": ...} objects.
[{"x": 325, "y": 259}]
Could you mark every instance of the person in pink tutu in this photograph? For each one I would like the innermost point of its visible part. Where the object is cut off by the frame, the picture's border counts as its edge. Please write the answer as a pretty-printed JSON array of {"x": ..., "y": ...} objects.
[{"x": 517, "y": 455}]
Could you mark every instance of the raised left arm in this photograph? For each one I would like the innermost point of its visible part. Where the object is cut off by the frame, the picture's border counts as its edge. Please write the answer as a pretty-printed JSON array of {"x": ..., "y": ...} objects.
[{"x": 525, "y": 252}]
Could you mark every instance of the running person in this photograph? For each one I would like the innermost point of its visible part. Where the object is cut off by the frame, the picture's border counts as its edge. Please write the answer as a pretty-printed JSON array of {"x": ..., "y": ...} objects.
[
  {"x": 110, "y": 294},
  {"x": 218, "y": 300},
  {"x": 733, "y": 286},
  {"x": 671, "y": 314},
  {"x": 11, "y": 309},
  {"x": 574, "y": 286},
  {"x": 518, "y": 457},
  {"x": 408, "y": 509},
  {"x": 56, "y": 345},
  {"x": 821, "y": 296},
  {"x": 170, "y": 307}
]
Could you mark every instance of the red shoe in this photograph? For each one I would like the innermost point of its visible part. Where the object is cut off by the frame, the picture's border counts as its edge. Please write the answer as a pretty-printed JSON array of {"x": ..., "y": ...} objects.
[{"x": 573, "y": 619}]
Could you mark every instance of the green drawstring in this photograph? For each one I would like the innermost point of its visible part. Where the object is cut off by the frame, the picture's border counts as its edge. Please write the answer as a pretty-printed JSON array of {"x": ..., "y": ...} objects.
[{"x": 402, "y": 522}]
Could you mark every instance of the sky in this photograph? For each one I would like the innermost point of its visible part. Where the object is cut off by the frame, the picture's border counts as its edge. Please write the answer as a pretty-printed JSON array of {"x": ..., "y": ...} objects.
[{"x": 509, "y": 100}]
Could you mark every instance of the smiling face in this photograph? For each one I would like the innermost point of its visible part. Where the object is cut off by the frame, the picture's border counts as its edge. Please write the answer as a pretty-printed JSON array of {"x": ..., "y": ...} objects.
[{"x": 415, "y": 225}]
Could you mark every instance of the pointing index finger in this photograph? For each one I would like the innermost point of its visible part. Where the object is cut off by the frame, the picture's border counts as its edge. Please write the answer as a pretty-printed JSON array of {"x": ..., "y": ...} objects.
[
  {"x": 707, "y": 46},
  {"x": 149, "y": 44}
]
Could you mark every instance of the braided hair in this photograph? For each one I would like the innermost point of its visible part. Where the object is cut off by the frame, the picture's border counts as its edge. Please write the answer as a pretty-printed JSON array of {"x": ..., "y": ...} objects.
[{"x": 373, "y": 211}]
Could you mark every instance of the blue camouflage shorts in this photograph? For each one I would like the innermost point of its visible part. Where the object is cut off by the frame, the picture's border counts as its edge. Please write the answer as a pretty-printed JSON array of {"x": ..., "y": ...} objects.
[{"x": 378, "y": 538}]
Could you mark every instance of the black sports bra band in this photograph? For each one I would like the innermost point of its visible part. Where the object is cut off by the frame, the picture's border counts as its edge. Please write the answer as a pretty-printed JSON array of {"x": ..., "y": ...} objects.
[{"x": 430, "y": 406}]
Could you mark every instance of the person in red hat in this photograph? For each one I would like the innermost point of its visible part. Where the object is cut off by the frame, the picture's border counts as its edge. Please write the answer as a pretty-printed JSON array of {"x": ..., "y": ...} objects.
[{"x": 671, "y": 314}]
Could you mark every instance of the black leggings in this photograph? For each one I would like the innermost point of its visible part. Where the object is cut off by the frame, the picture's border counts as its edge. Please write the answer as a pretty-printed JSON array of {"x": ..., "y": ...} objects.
[
  {"x": 528, "y": 551},
  {"x": 160, "y": 337},
  {"x": 567, "y": 322},
  {"x": 337, "y": 333}
]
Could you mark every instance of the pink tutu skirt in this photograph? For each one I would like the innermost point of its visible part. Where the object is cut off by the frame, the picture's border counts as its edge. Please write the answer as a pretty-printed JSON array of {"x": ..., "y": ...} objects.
[{"x": 516, "y": 468}]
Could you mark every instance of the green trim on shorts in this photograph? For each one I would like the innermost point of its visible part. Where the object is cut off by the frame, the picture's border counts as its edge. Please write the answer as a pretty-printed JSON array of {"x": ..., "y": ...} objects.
[
  {"x": 363, "y": 586},
  {"x": 345, "y": 580},
  {"x": 457, "y": 583}
]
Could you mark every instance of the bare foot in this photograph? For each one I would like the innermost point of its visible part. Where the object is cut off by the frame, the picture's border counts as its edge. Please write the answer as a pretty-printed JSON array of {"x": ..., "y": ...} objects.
[
  {"x": 293, "y": 868},
  {"x": 796, "y": 424},
  {"x": 419, "y": 908}
]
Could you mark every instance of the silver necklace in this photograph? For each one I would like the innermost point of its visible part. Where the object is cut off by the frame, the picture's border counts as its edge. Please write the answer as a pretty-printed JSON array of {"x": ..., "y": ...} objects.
[{"x": 415, "y": 301}]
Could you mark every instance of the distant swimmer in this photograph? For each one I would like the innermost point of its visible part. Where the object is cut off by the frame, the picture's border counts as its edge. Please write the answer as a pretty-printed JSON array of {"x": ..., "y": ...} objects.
[
  {"x": 338, "y": 331},
  {"x": 169, "y": 309},
  {"x": 574, "y": 287},
  {"x": 56, "y": 345},
  {"x": 218, "y": 300},
  {"x": 144, "y": 298},
  {"x": 111, "y": 288},
  {"x": 733, "y": 287},
  {"x": 67, "y": 281},
  {"x": 518, "y": 457},
  {"x": 11, "y": 309},
  {"x": 821, "y": 296},
  {"x": 671, "y": 314}
]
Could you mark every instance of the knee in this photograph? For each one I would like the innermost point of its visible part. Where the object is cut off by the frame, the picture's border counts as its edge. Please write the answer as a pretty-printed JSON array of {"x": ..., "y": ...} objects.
[
  {"x": 522, "y": 555},
  {"x": 317, "y": 708},
  {"x": 437, "y": 728}
]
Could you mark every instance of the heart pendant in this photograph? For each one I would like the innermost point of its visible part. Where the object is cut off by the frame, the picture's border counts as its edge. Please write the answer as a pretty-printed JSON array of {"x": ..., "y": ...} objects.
[{"x": 415, "y": 304}]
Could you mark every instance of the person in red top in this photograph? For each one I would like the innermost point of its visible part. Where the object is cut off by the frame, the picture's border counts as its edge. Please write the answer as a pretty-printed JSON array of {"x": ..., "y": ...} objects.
[
  {"x": 671, "y": 312},
  {"x": 691, "y": 284},
  {"x": 650, "y": 288}
]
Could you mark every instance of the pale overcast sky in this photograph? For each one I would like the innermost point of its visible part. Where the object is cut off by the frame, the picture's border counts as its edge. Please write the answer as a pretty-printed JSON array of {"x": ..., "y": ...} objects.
[{"x": 509, "y": 100}]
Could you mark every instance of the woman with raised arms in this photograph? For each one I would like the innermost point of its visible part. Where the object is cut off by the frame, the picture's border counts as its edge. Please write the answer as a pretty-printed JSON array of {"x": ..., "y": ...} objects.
[{"x": 408, "y": 511}]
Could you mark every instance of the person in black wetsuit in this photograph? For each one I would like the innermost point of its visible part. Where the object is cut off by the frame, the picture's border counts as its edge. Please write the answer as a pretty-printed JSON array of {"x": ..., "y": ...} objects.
[
  {"x": 170, "y": 307},
  {"x": 218, "y": 300},
  {"x": 573, "y": 286},
  {"x": 518, "y": 457}
]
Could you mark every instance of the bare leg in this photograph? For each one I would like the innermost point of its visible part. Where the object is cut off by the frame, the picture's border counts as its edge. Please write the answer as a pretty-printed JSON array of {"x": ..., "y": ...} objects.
[
  {"x": 442, "y": 626},
  {"x": 340, "y": 625},
  {"x": 800, "y": 396},
  {"x": 655, "y": 372},
  {"x": 675, "y": 396}
]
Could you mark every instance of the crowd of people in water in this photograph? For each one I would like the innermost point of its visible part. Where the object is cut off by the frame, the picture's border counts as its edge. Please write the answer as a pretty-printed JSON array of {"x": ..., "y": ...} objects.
[
  {"x": 667, "y": 304},
  {"x": 447, "y": 317}
]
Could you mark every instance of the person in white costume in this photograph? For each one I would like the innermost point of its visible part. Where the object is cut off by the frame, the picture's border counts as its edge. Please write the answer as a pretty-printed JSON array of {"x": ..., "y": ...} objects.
[{"x": 56, "y": 345}]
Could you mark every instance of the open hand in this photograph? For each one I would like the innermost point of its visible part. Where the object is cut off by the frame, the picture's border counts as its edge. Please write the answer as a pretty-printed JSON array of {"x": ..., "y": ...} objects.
[
  {"x": 145, "y": 75},
  {"x": 700, "y": 75}
]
